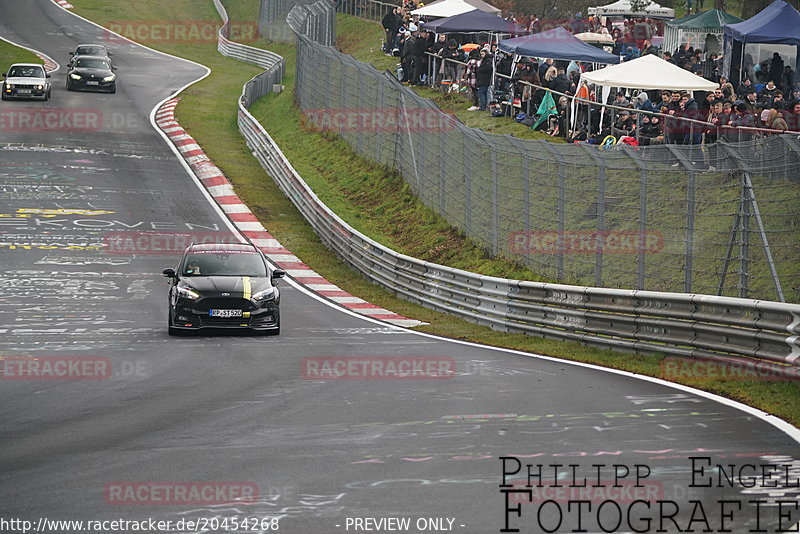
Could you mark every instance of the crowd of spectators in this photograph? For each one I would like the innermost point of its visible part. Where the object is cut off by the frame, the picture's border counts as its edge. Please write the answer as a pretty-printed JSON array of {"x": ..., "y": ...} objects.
[{"x": 768, "y": 97}]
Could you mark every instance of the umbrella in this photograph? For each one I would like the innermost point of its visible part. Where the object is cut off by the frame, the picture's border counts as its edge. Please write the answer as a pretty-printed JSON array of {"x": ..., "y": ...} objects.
[{"x": 470, "y": 46}]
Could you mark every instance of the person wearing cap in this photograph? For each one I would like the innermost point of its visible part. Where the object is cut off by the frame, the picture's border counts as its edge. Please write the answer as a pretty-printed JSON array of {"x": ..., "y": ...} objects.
[
  {"x": 420, "y": 61},
  {"x": 407, "y": 55}
]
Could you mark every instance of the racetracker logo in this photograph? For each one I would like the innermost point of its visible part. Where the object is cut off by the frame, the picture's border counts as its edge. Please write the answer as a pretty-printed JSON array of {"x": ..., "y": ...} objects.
[
  {"x": 50, "y": 120},
  {"x": 379, "y": 120},
  {"x": 178, "y": 31},
  {"x": 55, "y": 368},
  {"x": 161, "y": 242},
  {"x": 585, "y": 242},
  {"x": 375, "y": 368},
  {"x": 698, "y": 369},
  {"x": 180, "y": 493}
]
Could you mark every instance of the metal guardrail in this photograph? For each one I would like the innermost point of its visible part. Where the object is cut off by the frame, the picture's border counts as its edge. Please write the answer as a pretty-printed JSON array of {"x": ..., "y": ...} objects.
[
  {"x": 719, "y": 328},
  {"x": 274, "y": 64}
]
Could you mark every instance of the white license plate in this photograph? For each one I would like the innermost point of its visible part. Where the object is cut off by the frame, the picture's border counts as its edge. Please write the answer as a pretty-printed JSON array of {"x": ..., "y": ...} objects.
[
  {"x": 24, "y": 91},
  {"x": 92, "y": 83},
  {"x": 225, "y": 313}
]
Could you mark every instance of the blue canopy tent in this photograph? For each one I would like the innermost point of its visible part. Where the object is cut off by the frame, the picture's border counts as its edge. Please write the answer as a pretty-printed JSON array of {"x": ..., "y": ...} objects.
[
  {"x": 557, "y": 43},
  {"x": 778, "y": 23},
  {"x": 471, "y": 22}
]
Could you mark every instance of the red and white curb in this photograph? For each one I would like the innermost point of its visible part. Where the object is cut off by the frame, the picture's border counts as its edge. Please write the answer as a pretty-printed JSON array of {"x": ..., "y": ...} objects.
[
  {"x": 64, "y": 4},
  {"x": 49, "y": 64},
  {"x": 221, "y": 190}
]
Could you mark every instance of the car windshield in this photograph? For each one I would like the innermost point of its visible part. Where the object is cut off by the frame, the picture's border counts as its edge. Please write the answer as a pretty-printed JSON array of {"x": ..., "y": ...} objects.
[
  {"x": 223, "y": 263},
  {"x": 26, "y": 72},
  {"x": 91, "y": 63},
  {"x": 90, "y": 51}
]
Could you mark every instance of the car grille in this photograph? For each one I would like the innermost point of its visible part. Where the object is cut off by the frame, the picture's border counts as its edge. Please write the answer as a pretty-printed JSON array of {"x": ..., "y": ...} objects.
[
  {"x": 23, "y": 86},
  {"x": 232, "y": 303}
]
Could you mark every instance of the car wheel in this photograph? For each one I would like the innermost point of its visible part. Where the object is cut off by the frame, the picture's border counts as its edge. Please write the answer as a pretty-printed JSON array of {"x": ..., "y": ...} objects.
[
  {"x": 3, "y": 97},
  {"x": 113, "y": 89},
  {"x": 69, "y": 85}
]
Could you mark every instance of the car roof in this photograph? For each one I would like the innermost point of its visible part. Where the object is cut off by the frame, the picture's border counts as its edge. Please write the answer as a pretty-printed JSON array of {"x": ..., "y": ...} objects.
[
  {"x": 87, "y": 56},
  {"x": 91, "y": 44},
  {"x": 27, "y": 65},
  {"x": 240, "y": 247}
]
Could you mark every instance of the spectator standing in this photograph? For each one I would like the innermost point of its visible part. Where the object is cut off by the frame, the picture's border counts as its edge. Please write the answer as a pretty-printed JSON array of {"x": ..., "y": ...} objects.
[
  {"x": 407, "y": 55},
  {"x": 768, "y": 92},
  {"x": 776, "y": 69},
  {"x": 788, "y": 78},
  {"x": 484, "y": 79},
  {"x": 535, "y": 25},
  {"x": 471, "y": 77},
  {"x": 743, "y": 88},
  {"x": 391, "y": 23},
  {"x": 420, "y": 61},
  {"x": 689, "y": 110}
]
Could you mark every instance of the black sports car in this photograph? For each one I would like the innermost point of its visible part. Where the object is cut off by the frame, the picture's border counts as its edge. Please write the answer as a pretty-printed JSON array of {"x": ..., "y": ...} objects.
[
  {"x": 89, "y": 72},
  {"x": 224, "y": 286},
  {"x": 89, "y": 50}
]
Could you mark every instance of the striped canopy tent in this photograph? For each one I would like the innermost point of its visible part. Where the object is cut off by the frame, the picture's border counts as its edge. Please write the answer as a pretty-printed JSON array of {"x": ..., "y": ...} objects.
[{"x": 702, "y": 30}]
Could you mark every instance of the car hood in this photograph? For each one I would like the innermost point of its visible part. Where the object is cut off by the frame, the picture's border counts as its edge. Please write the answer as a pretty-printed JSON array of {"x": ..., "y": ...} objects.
[
  {"x": 27, "y": 81},
  {"x": 91, "y": 72},
  {"x": 216, "y": 285}
]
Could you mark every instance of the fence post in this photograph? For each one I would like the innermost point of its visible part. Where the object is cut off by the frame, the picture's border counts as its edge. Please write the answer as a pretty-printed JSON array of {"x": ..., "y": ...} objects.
[
  {"x": 744, "y": 251},
  {"x": 690, "y": 214},
  {"x": 600, "y": 213}
]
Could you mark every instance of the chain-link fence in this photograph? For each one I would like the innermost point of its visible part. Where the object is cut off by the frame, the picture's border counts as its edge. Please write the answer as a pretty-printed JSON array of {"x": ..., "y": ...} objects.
[
  {"x": 317, "y": 18},
  {"x": 715, "y": 219}
]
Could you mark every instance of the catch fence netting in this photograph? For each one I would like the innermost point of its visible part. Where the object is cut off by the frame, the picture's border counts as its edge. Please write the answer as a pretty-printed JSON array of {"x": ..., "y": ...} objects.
[{"x": 721, "y": 219}]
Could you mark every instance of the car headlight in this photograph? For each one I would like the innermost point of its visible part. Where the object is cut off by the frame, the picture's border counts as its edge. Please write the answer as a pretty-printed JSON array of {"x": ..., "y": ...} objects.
[
  {"x": 187, "y": 293},
  {"x": 39, "y": 87},
  {"x": 265, "y": 294},
  {"x": 9, "y": 86},
  {"x": 75, "y": 76},
  {"x": 109, "y": 78}
]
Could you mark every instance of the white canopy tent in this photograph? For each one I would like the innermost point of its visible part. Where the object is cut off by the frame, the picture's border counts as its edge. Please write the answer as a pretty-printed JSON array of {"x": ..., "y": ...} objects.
[
  {"x": 622, "y": 8},
  {"x": 646, "y": 72},
  {"x": 449, "y": 8}
]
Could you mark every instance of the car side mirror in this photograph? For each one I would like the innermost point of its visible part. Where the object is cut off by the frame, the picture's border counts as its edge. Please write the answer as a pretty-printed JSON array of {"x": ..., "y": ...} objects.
[
  {"x": 110, "y": 54},
  {"x": 46, "y": 75},
  {"x": 113, "y": 68},
  {"x": 169, "y": 272},
  {"x": 278, "y": 273},
  {"x": 71, "y": 53}
]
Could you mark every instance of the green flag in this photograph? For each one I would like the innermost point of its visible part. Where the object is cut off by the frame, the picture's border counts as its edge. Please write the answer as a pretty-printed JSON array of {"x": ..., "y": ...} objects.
[{"x": 546, "y": 108}]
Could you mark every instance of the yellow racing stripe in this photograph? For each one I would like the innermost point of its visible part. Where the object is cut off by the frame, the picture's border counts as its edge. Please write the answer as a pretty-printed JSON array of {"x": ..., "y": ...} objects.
[{"x": 246, "y": 289}]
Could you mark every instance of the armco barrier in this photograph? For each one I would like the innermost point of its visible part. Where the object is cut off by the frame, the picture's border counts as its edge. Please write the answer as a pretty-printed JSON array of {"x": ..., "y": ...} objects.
[
  {"x": 272, "y": 62},
  {"x": 719, "y": 328}
]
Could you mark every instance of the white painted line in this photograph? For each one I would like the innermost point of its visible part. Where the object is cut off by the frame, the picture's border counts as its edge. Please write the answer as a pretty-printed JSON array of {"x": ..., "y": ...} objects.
[
  {"x": 323, "y": 287},
  {"x": 289, "y": 258},
  {"x": 234, "y": 208},
  {"x": 303, "y": 273},
  {"x": 351, "y": 300},
  {"x": 250, "y": 226},
  {"x": 180, "y": 137},
  {"x": 189, "y": 147},
  {"x": 266, "y": 243},
  {"x": 223, "y": 190},
  {"x": 374, "y": 311}
]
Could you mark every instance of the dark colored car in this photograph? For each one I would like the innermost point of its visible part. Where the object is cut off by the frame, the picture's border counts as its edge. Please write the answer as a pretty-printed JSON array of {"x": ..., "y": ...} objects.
[
  {"x": 91, "y": 72},
  {"x": 96, "y": 50},
  {"x": 25, "y": 80},
  {"x": 224, "y": 286}
]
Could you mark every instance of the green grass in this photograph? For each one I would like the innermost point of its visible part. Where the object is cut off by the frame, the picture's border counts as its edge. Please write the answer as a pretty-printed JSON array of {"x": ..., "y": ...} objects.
[
  {"x": 207, "y": 111},
  {"x": 10, "y": 54}
]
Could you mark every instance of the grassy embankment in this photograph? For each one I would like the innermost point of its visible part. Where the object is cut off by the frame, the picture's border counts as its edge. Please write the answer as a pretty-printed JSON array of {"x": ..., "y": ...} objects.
[{"x": 369, "y": 197}]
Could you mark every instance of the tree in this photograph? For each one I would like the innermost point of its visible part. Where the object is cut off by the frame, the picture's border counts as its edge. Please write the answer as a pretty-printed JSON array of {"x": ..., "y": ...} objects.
[{"x": 752, "y": 7}]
